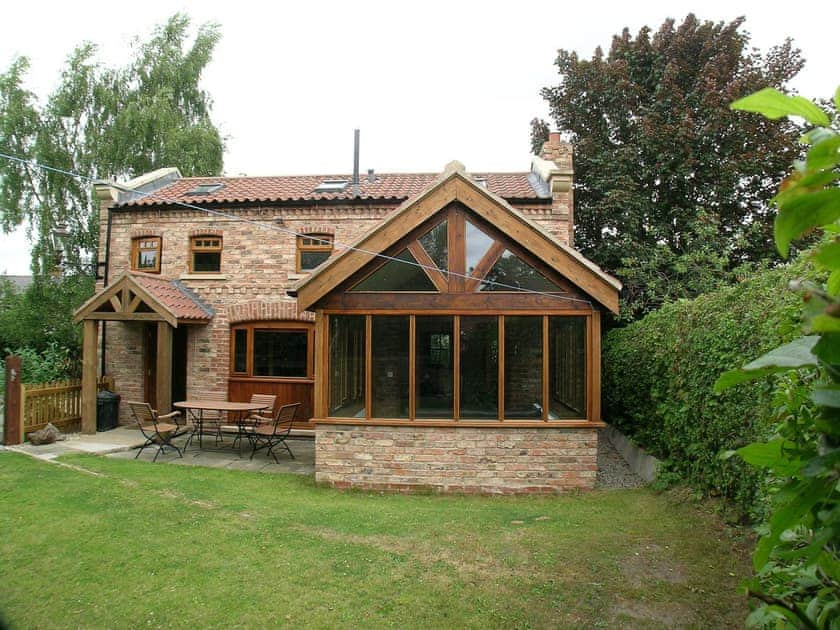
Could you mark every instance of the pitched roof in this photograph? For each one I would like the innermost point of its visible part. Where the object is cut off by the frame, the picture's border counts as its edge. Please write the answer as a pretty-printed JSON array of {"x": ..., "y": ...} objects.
[
  {"x": 387, "y": 186},
  {"x": 454, "y": 184},
  {"x": 169, "y": 299}
]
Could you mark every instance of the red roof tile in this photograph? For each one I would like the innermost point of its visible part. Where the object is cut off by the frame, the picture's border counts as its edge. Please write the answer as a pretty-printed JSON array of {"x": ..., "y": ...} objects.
[
  {"x": 180, "y": 301},
  {"x": 387, "y": 186}
]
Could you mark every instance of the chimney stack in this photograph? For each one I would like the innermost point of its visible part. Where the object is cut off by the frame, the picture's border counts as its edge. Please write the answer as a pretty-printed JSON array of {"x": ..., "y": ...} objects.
[{"x": 554, "y": 166}]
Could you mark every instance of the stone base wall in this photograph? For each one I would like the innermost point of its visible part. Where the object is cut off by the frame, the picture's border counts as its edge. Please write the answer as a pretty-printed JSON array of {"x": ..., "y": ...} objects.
[{"x": 457, "y": 459}]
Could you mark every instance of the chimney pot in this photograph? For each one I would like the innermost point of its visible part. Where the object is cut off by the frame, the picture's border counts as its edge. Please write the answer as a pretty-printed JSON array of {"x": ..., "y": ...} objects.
[
  {"x": 554, "y": 138},
  {"x": 371, "y": 178}
]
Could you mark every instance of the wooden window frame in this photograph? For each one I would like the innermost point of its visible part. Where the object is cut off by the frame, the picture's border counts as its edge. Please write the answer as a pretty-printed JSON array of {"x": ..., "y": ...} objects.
[
  {"x": 136, "y": 248},
  {"x": 592, "y": 369},
  {"x": 205, "y": 249},
  {"x": 250, "y": 327},
  {"x": 312, "y": 247}
]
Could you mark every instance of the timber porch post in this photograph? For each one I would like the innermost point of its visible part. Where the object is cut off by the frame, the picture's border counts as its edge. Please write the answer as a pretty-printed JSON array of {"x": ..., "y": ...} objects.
[
  {"x": 163, "y": 385},
  {"x": 89, "y": 361}
]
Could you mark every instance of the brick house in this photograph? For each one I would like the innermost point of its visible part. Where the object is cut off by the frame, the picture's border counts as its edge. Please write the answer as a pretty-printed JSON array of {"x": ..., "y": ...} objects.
[{"x": 455, "y": 345}]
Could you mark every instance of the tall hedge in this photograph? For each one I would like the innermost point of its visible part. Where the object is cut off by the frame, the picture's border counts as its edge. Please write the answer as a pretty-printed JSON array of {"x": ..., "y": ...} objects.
[{"x": 659, "y": 373}]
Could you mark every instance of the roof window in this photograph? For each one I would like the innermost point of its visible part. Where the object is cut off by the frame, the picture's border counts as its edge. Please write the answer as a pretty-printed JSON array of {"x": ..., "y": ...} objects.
[
  {"x": 206, "y": 189},
  {"x": 332, "y": 185}
]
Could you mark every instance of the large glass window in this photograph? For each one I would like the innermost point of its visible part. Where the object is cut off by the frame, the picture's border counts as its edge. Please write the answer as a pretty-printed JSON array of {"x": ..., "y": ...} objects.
[
  {"x": 435, "y": 243},
  {"x": 402, "y": 274},
  {"x": 434, "y": 356},
  {"x": 279, "y": 353},
  {"x": 271, "y": 349},
  {"x": 511, "y": 273},
  {"x": 477, "y": 243},
  {"x": 567, "y": 367},
  {"x": 347, "y": 366},
  {"x": 390, "y": 375},
  {"x": 523, "y": 367},
  {"x": 479, "y": 368}
]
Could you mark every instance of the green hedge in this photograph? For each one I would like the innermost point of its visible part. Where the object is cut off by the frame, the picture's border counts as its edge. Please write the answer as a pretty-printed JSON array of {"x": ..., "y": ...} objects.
[{"x": 659, "y": 373}]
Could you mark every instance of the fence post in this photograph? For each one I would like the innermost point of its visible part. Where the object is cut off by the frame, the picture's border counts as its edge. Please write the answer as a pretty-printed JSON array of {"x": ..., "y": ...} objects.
[{"x": 13, "y": 416}]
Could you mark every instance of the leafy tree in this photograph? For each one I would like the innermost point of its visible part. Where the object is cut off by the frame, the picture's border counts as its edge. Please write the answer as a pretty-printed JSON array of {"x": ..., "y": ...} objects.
[
  {"x": 659, "y": 156},
  {"x": 797, "y": 559},
  {"x": 103, "y": 122}
]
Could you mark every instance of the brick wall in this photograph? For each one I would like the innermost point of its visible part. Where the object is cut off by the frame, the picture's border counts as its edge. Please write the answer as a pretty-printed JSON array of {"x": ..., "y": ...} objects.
[
  {"x": 506, "y": 460},
  {"x": 258, "y": 266}
]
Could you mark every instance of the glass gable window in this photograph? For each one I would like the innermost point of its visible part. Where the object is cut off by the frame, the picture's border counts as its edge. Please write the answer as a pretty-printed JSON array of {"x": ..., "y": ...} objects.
[
  {"x": 436, "y": 246},
  {"x": 511, "y": 273},
  {"x": 434, "y": 366},
  {"x": 347, "y": 366},
  {"x": 477, "y": 243},
  {"x": 390, "y": 374},
  {"x": 402, "y": 274}
]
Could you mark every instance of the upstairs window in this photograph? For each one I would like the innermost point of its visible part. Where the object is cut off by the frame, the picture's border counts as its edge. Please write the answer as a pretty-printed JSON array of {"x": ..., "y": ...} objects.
[
  {"x": 145, "y": 254},
  {"x": 312, "y": 250},
  {"x": 206, "y": 254}
]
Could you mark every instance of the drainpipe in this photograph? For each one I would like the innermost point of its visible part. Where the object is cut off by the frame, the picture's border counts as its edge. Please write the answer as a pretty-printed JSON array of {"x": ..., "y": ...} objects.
[{"x": 355, "y": 162}]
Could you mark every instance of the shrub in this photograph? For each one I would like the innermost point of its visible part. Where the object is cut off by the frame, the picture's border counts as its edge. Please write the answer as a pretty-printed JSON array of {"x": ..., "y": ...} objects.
[{"x": 659, "y": 373}]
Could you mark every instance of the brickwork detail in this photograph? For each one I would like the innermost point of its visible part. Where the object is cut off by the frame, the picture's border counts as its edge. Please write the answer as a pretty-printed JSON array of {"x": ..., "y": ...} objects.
[
  {"x": 265, "y": 311},
  {"x": 505, "y": 460}
]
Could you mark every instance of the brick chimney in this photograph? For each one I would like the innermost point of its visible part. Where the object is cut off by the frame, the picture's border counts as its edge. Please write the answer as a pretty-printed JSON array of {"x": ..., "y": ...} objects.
[{"x": 554, "y": 166}]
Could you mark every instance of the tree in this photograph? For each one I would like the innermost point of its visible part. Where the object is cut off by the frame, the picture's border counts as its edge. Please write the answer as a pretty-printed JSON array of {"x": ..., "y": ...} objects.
[
  {"x": 659, "y": 156},
  {"x": 103, "y": 122}
]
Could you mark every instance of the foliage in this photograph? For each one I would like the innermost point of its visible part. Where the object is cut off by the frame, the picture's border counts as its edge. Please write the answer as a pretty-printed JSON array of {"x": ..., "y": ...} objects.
[
  {"x": 660, "y": 159},
  {"x": 797, "y": 559},
  {"x": 659, "y": 373},
  {"x": 41, "y": 317},
  {"x": 103, "y": 123},
  {"x": 539, "y": 135},
  {"x": 346, "y": 559}
]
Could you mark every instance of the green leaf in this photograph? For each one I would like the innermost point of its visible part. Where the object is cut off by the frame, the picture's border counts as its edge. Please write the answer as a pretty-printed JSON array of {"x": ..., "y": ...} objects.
[
  {"x": 828, "y": 348},
  {"x": 771, "y": 455},
  {"x": 824, "y": 155},
  {"x": 773, "y": 104},
  {"x": 803, "y": 212},
  {"x": 804, "y": 496},
  {"x": 825, "y": 324},
  {"x": 796, "y": 354},
  {"x": 817, "y": 135},
  {"x": 826, "y": 396},
  {"x": 829, "y": 255},
  {"x": 837, "y": 98}
]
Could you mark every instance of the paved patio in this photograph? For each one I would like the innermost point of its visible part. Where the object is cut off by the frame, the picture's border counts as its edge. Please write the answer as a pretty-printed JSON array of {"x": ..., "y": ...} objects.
[{"x": 122, "y": 442}]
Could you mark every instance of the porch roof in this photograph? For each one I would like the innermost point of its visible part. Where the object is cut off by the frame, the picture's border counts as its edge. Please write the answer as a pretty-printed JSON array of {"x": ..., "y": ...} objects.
[{"x": 144, "y": 297}]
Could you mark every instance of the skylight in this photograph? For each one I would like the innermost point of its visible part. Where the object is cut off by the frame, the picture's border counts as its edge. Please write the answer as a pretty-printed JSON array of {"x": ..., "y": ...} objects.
[
  {"x": 206, "y": 189},
  {"x": 332, "y": 185}
]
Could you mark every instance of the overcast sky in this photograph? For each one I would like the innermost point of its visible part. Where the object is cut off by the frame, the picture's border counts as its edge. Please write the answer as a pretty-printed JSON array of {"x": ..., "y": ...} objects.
[{"x": 426, "y": 82}]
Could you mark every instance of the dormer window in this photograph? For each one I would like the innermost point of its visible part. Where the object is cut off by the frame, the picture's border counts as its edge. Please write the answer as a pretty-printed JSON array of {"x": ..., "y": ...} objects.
[
  {"x": 206, "y": 189},
  {"x": 332, "y": 185},
  {"x": 145, "y": 254}
]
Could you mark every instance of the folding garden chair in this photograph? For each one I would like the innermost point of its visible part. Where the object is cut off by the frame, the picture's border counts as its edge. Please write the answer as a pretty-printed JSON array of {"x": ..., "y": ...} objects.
[
  {"x": 245, "y": 427},
  {"x": 155, "y": 431},
  {"x": 274, "y": 433}
]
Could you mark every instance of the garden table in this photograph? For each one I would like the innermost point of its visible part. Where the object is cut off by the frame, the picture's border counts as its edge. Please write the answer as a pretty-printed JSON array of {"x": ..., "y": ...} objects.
[{"x": 238, "y": 413}]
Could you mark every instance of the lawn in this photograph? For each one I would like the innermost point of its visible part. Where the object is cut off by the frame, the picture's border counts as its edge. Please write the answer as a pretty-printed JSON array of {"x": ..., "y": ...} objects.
[{"x": 175, "y": 546}]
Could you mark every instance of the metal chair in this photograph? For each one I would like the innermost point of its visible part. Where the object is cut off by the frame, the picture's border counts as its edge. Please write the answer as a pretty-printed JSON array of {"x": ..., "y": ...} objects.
[
  {"x": 274, "y": 433},
  {"x": 155, "y": 431},
  {"x": 244, "y": 428}
]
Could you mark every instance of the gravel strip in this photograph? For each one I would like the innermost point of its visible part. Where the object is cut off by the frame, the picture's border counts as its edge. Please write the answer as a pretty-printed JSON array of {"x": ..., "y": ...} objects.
[{"x": 613, "y": 471}]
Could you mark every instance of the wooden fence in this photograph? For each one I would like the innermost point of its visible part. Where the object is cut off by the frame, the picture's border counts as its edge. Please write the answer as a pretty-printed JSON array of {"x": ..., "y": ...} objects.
[{"x": 30, "y": 406}]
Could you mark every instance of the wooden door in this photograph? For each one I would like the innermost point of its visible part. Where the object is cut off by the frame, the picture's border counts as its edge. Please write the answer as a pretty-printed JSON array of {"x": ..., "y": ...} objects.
[
  {"x": 150, "y": 364},
  {"x": 179, "y": 363}
]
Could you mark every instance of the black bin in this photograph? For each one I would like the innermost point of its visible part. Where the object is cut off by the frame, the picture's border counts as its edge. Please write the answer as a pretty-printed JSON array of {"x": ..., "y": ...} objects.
[{"x": 107, "y": 410}]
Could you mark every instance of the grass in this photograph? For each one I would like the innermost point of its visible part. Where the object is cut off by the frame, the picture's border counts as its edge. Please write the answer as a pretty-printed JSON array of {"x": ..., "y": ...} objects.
[{"x": 173, "y": 546}]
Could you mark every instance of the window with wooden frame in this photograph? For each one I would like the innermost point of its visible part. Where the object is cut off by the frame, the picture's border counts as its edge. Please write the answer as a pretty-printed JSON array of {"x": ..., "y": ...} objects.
[
  {"x": 510, "y": 367},
  {"x": 206, "y": 254},
  {"x": 312, "y": 250},
  {"x": 272, "y": 350},
  {"x": 146, "y": 253}
]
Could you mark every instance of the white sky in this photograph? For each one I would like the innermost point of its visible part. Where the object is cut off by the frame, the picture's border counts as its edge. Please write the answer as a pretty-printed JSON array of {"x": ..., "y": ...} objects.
[{"x": 426, "y": 82}]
